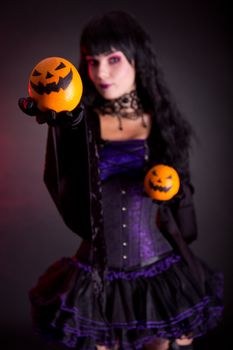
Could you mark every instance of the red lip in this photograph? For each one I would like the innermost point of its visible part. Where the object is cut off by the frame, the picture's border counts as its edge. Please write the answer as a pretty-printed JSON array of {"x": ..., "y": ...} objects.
[{"x": 104, "y": 86}]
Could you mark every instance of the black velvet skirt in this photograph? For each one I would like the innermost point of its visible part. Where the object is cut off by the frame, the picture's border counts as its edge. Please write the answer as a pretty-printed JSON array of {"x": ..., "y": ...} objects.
[{"x": 161, "y": 300}]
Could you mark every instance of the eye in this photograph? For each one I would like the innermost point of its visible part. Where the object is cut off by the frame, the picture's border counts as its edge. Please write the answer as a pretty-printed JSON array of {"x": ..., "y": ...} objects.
[
  {"x": 92, "y": 62},
  {"x": 114, "y": 59},
  {"x": 60, "y": 66},
  {"x": 36, "y": 73},
  {"x": 169, "y": 177},
  {"x": 154, "y": 173}
]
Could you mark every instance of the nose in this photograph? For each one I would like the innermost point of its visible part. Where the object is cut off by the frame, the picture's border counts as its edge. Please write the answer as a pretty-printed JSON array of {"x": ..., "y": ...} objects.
[
  {"x": 48, "y": 75},
  {"x": 102, "y": 71}
]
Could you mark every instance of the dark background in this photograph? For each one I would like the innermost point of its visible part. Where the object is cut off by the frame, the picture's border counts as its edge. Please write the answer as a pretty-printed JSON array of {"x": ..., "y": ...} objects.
[{"x": 193, "y": 43}]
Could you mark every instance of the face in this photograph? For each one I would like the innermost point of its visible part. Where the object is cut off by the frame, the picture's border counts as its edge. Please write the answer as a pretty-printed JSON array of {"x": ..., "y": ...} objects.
[
  {"x": 55, "y": 84},
  {"x": 111, "y": 74},
  {"x": 162, "y": 182}
]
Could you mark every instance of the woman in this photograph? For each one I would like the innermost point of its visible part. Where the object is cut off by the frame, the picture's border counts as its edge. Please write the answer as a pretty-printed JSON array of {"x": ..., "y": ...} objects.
[{"x": 134, "y": 283}]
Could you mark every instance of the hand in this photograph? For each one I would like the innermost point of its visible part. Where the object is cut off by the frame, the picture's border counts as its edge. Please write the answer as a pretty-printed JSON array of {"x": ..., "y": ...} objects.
[
  {"x": 51, "y": 117},
  {"x": 29, "y": 107}
]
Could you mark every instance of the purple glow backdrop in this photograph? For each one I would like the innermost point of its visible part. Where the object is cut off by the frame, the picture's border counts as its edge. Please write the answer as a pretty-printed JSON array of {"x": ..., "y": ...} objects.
[{"x": 192, "y": 39}]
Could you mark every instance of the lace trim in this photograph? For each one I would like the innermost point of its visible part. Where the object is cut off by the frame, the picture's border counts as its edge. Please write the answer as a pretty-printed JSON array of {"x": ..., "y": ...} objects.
[
  {"x": 150, "y": 271},
  {"x": 127, "y": 106}
]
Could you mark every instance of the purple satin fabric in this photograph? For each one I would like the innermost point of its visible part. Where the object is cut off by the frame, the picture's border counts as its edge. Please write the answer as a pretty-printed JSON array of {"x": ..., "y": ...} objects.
[{"x": 118, "y": 157}]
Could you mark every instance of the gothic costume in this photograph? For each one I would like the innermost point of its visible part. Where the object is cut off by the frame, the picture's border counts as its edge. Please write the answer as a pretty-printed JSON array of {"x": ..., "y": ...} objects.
[{"x": 134, "y": 277}]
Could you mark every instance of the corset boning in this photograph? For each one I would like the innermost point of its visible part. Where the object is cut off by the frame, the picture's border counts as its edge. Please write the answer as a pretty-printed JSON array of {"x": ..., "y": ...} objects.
[
  {"x": 130, "y": 216},
  {"x": 130, "y": 225}
]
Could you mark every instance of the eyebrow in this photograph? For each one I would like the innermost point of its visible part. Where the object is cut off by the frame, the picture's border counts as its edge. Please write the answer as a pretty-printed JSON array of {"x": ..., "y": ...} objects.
[{"x": 106, "y": 54}]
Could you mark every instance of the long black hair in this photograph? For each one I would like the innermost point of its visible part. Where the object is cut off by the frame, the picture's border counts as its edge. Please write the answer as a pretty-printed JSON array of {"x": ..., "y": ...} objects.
[{"x": 170, "y": 137}]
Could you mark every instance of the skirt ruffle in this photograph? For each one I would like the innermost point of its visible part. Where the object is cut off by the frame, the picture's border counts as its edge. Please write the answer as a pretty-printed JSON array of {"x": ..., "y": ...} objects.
[{"x": 157, "y": 301}]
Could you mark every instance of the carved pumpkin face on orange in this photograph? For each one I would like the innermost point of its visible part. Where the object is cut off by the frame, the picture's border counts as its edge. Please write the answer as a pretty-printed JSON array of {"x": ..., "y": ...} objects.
[
  {"x": 162, "y": 182},
  {"x": 55, "y": 83}
]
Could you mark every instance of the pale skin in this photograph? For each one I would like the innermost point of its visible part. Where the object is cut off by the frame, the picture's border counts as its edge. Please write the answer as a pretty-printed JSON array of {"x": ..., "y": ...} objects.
[{"x": 113, "y": 76}]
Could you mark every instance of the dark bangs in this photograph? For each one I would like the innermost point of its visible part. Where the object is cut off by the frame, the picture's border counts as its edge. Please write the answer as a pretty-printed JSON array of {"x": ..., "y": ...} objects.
[
  {"x": 113, "y": 31},
  {"x": 117, "y": 30}
]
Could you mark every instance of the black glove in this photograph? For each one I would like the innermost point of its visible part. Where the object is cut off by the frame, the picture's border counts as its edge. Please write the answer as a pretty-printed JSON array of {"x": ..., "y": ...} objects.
[{"x": 51, "y": 117}]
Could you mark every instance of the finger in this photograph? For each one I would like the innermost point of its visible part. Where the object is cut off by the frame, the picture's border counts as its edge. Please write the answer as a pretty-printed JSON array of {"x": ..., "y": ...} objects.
[
  {"x": 51, "y": 116},
  {"x": 41, "y": 119},
  {"x": 27, "y": 105}
]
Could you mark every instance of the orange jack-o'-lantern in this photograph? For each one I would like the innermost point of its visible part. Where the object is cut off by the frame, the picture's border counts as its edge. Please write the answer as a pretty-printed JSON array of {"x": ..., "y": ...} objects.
[
  {"x": 162, "y": 182},
  {"x": 55, "y": 83}
]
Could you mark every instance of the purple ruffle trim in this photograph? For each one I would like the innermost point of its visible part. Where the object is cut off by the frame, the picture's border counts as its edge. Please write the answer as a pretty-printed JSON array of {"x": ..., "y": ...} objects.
[
  {"x": 147, "y": 324},
  {"x": 150, "y": 271},
  {"x": 93, "y": 329}
]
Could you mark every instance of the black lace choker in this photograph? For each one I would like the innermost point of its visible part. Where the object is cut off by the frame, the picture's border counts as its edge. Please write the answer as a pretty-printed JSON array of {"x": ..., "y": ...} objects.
[{"x": 127, "y": 106}]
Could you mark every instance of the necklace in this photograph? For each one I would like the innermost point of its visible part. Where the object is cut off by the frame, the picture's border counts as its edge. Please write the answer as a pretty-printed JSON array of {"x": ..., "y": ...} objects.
[{"x": 127, "y": 106}]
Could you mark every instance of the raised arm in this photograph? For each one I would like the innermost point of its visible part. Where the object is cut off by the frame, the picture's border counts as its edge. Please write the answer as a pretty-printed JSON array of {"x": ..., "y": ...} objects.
[{"x": 66, "y": 172}]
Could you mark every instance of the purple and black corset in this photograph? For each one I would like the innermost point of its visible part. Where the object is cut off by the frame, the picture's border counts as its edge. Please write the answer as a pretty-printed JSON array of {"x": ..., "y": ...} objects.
[{"x": 130, "y": 216}]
